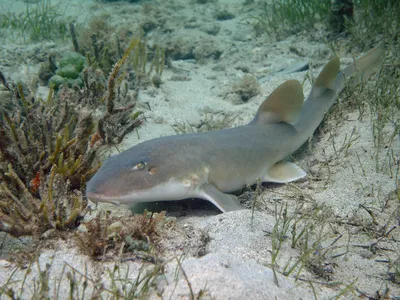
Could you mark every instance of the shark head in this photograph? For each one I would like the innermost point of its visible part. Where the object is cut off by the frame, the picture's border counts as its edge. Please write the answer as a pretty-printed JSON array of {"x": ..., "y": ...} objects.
[{"x": 137, "y": 175}]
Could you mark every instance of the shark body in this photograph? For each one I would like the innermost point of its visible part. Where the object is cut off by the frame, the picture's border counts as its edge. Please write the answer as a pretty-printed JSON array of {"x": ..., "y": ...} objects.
[{"x": 211, "y": 165}]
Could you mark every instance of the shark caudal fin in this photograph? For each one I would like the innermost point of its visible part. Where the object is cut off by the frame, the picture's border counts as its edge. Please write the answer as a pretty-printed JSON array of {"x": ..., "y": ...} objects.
[
  {"x": 362, "y": 68},
  {"x": 282, "y": 105},
  {"x": 329, "y": 83},
  {"x": 330, "y": 78}
]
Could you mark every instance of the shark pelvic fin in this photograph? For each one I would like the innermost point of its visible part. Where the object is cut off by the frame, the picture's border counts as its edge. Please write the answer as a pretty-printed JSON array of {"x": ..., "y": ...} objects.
[
  {"x": 225, "y": 202},
  {"x": 284, "y": 171},
  {"x": 283, "y": 105}
]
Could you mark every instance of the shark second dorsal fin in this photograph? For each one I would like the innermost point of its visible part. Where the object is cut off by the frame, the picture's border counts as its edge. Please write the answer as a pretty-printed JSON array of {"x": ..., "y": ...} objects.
[
  {"x": 326, "y": 78},
  {"x": 283, "y": 105}
]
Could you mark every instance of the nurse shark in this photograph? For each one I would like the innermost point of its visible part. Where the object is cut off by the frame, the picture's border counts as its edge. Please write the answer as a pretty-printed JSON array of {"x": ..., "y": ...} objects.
[{"x": 212, "y": 165}]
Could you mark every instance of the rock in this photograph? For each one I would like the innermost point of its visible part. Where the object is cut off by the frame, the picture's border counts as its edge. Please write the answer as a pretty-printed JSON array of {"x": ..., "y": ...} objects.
[
  {"x": 224, "y": 15},
  {"x": 212, "y": 28},
  {"x": 5, "y": 263}
]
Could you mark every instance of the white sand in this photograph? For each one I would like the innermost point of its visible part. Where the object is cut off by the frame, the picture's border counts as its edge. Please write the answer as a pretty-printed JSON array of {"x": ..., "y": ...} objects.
[{"x": 238, "y": 255}]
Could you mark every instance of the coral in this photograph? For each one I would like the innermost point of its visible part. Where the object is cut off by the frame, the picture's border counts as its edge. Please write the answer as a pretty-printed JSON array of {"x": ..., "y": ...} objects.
[
  {"x": 47, "y": 70},
  {"x": 71, "y": 65},
  {"x": 5, "y": 95},
  {"x": 142, "y": 70},
  {"x": 94, "y": 42},
  {"x": 117, "y": 122},
  {"x": 24, "y": 214},
  {"x": 43, "y": 153},
  {"x": 69, "y": 70},
  {"x": 48, "y": 148},
  {"x": 73, "y": 37}
]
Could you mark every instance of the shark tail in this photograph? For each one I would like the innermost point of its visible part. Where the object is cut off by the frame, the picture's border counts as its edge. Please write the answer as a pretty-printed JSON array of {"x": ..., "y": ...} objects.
[
  {"x": 330, "y": 82},
  {"x": 361, "y": 69}
]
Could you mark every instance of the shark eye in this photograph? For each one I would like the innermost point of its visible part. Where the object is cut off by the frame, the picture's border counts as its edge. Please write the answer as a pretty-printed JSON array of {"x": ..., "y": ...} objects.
[
  {"x": 152, "y": 170},
  {"x": 139, "y": 166}
]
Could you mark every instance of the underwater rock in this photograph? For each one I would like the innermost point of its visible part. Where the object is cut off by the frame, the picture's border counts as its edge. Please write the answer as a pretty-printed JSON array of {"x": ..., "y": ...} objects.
[
  {"x": 224, "y": 15},
  {"x": 207, "y": 49},
  {"x": 181, "y": 48},
  {"x": 149, "y": 24},
  {"x": 204, "y": 1},
  {"x": 211, "y": 29},
  {"x": 247, "y": 87}
]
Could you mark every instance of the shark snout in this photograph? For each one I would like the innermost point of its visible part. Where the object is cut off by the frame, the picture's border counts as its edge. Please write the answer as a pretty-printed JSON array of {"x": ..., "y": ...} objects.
[{"x": 98, "y": 190}]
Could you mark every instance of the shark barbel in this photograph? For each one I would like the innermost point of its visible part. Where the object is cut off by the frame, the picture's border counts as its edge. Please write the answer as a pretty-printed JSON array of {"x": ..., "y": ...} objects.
[{"x": 211, "y": 165}]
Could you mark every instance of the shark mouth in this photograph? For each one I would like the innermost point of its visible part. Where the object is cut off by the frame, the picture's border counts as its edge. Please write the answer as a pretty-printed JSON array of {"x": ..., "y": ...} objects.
[{"x": 102, "y": 198}]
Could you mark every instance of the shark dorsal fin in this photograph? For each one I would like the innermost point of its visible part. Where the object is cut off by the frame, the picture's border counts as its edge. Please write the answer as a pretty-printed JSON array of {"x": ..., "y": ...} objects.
[
  {"x": 326, "y": 78},
  {"x": 282, "y": 105}
]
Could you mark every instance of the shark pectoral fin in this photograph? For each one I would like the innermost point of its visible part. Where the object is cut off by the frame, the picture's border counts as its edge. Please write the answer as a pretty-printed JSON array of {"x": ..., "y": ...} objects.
[
  {"x": 284, "y": 171},
  {"x": 283, "y": 105},
  {"x": 225, "y": 202}
]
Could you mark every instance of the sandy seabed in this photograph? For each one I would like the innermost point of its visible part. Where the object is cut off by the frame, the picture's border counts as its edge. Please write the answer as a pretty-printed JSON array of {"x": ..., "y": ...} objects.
[{"x": 350, "y": 182}]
